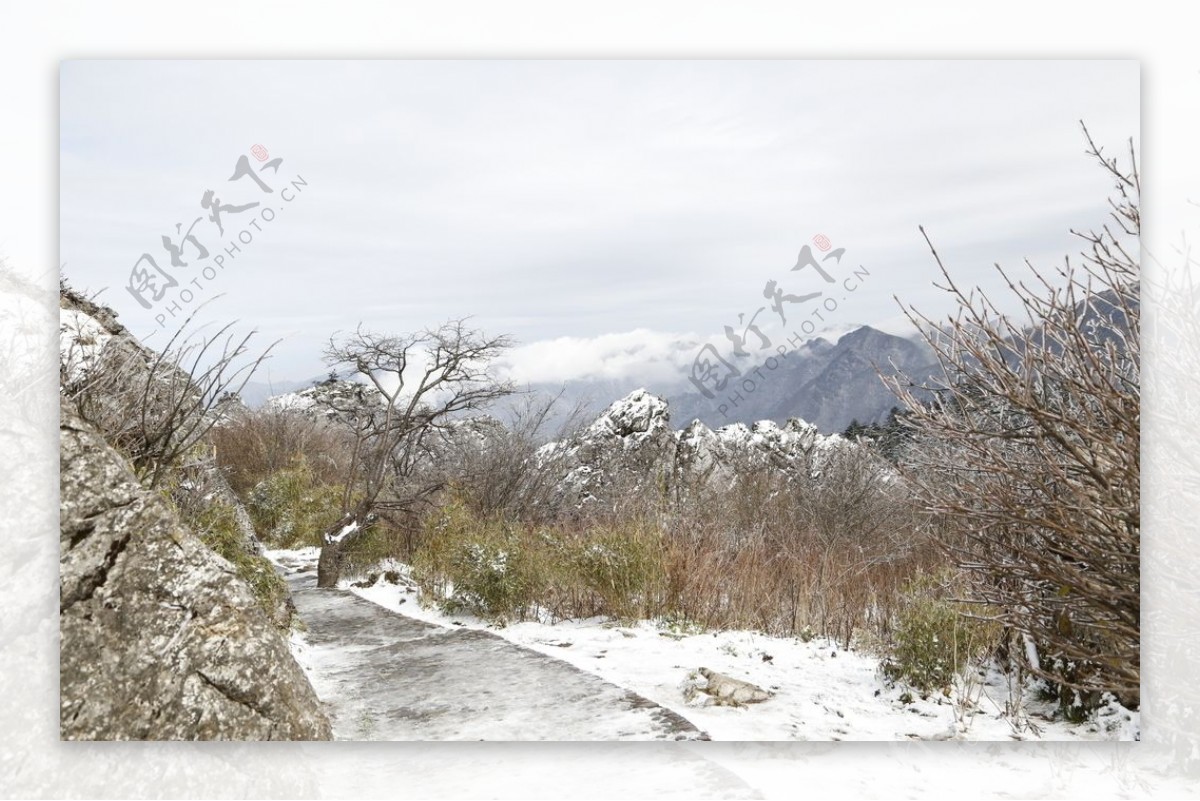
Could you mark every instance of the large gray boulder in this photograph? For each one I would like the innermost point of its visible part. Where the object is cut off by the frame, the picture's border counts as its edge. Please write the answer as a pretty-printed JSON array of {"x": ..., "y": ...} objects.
[
  {"x": 159, "y": 638},
  {"x": 126, "y": 392}
]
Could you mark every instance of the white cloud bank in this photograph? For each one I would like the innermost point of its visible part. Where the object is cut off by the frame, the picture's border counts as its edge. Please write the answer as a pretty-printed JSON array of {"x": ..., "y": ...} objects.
[{"x": 653, "y": 358}]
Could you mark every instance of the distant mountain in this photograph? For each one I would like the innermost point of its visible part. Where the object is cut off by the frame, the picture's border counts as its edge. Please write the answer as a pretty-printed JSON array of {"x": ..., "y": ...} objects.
[{"x": 825, "y": 384}]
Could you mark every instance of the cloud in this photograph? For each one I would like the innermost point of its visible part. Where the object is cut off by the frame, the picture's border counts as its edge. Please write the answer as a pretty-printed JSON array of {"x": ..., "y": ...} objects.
[
  {"x": 560, "y": 202},
  {"x": 654, "y": 358},
  {"x": 658, "y": 357}
]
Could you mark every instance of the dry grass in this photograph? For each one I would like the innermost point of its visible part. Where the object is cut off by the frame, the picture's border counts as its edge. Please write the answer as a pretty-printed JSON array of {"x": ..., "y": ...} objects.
[
  {"x": 785, "y": 554},
  {"x": 254, "y": 444},
  {"x": 754, "y": 556}
]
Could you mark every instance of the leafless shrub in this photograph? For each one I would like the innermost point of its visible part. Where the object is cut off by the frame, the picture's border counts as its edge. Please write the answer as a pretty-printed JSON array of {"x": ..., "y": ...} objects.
[
  {"x": 787, "y": 555},
  {"x": 154, "y": 406},
  {"x": 1030, "y": 456},
  {"x": 498, "y": 469}
]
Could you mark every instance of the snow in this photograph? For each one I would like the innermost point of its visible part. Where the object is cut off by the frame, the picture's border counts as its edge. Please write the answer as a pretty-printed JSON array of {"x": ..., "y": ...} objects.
[
  {"x": 290, "y": 401},
  {"x": 820, "y": 691},
  {"x": 638, "y": 414},
  {"x": 384, "y": 676},
  {"x": 1031, "y": 653},
  {"x": 330, "y": 399},
  {"x": 638, "y": 426},
  {"x": 81, "y": 341},
  {"x": 295, "y": 555},
  {"x": 346, "y": 531}
]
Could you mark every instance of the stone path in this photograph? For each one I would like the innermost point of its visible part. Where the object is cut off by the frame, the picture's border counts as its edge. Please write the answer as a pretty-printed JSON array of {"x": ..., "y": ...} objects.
[{"x": 384, "y": 676}]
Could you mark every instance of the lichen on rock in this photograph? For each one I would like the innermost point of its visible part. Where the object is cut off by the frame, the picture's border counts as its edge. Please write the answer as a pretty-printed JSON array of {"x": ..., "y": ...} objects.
[{"x": 160, "y": 639}]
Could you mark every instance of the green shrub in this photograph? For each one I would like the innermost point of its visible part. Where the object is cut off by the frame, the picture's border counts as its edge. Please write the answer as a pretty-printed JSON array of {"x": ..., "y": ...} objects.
[
  {"x": 477, "y": 566},
  {"x": 624, "y": 567},
  {"x": 217, "y": 528},
  {"x": 488, "y": 581},
  {"x": 935, "y": 636},
  {"x": 500, "y": 570},
  {"x": 291, "y": 509}
]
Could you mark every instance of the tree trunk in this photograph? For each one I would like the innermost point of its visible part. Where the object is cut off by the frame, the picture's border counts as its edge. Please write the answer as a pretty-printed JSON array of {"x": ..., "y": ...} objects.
[{"x": 329, "y": 566}]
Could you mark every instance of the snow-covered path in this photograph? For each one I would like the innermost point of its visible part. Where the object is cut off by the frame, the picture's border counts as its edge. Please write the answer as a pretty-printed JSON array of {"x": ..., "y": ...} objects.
[
  {"x": 385, "y": 676},
  {"x": 392, "y": 669}
]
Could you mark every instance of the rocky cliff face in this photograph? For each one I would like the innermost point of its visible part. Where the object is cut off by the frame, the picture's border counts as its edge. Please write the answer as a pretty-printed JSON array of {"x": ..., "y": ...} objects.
[{"x": 159, "y": 638}]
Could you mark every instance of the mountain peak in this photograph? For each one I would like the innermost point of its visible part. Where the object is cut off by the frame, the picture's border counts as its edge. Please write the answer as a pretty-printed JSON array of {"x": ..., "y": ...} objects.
[
  {"x": 827, "y": 385},
  {"x": 863, "y": 335},
  {"x": 639, "y": 412}
]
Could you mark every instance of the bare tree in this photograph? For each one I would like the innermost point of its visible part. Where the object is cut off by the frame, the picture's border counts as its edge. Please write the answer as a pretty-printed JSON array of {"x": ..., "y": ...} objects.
[
  {"x": 511, "y": 468},
  {"x": 415, "y": 384},
  {"x": 1030, "y": 453}
]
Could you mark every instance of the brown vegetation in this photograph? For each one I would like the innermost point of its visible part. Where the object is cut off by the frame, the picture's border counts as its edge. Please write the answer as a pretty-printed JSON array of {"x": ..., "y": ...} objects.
[{"x": 1029, "y": 458}]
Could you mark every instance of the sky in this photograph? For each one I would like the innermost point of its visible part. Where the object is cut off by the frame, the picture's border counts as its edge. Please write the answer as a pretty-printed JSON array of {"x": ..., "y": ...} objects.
[{"x": 611, "y": 217}]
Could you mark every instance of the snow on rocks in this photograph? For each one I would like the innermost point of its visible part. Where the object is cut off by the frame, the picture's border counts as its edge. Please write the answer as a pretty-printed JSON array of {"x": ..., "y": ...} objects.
[
  {"x": 638, "y": 415},
  {"x": 633, "y": 446},
  {"x": 81, "y": 342},
  {"x": 334, "y": 399},
  {"x": 730, "y": 691},
  {"x": 291, "y": 401}
]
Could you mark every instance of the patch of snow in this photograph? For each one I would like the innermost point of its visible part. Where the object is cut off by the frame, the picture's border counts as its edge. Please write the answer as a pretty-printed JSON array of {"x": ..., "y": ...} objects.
[
  {"x": 290, "y": 401},
  {"x": 1031, "y": 652},
  {"x": 346, "y": 531},
  {"x": 296, "y": 555},
  {"x": 81, "y": 341}
]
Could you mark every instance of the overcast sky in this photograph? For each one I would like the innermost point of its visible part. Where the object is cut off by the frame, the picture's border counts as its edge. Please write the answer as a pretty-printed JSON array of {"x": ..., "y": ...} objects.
[{"x": 610, "y": 216}]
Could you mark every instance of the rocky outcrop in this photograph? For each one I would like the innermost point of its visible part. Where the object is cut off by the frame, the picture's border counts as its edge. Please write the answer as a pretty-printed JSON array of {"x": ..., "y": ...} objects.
[
  {"x": 159, "y": 638},
  {"x": 631, "y": 449},
  {"x": 129, "y": 394},
  {"x": 104, "y": 369},
  {"x": 728, "y": 691}
]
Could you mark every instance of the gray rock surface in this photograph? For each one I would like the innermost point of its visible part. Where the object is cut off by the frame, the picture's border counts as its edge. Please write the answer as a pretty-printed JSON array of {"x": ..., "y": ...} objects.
[
  {"x": 110, "y": 379},
  {"x": 159, "y": 638}
]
